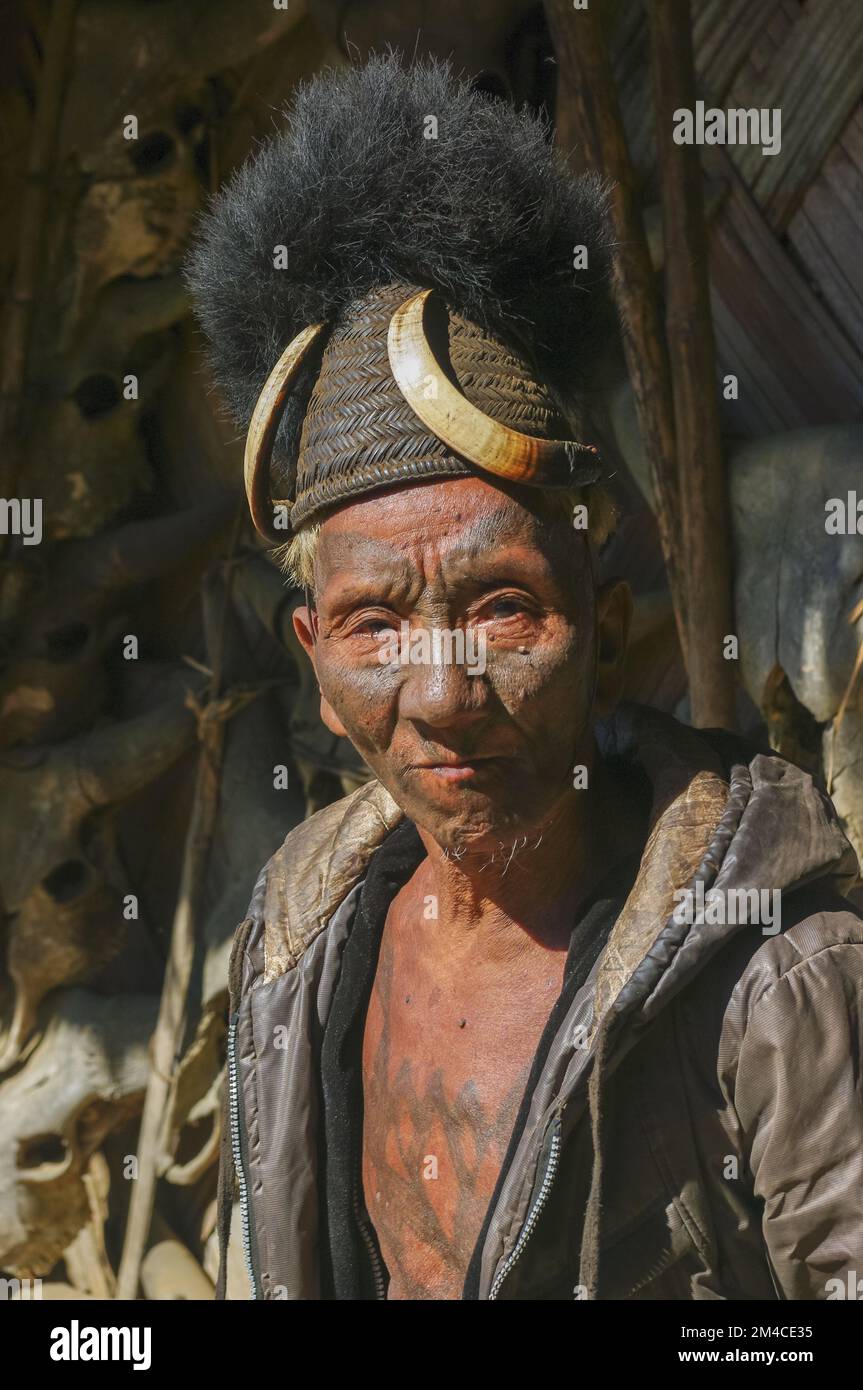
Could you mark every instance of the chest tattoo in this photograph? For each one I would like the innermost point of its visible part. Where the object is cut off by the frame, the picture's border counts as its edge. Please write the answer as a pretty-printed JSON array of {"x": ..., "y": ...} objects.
[{"x": 441, "y": 1095}]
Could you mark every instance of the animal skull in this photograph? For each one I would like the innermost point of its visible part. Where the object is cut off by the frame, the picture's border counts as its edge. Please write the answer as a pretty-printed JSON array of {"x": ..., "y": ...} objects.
[{"x": 86, "y": 1076}]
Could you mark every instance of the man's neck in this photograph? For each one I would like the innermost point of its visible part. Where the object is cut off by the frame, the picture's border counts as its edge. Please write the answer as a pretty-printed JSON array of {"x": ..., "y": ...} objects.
[{"x": 530, "y": 889}]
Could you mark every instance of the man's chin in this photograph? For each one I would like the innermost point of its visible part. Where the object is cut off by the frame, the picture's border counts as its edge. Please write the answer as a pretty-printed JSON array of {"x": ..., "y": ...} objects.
[{"x": 463, "y": 817}]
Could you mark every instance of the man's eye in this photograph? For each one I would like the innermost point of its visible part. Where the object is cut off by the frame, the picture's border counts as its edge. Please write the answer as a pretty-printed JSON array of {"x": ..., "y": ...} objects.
[
  {"x": 373, "y": 626},
  {"x": 504, "y": 608}
]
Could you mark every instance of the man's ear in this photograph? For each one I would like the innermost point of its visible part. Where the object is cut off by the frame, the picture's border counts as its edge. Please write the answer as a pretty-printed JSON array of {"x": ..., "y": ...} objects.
[
  {"x": 613, "y": 618},
  {"x": 305, "y": 626}
]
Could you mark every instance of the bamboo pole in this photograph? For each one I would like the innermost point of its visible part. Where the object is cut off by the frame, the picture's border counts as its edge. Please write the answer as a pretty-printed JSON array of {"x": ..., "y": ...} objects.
[
  {"x": 586, "y": 85},
  {"x": 692, "y": 357},
  {"x": 167, "y": 1040}
]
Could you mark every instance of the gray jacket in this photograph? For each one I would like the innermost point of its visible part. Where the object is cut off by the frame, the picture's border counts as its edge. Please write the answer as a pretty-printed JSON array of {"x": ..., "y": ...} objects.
[{"x": 695, "y": 1130}]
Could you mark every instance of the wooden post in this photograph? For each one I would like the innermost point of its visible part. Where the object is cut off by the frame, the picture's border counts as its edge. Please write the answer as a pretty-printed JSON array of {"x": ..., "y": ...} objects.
[
  {"x": 692, "y": 356},
  {"x": 586, "y": 85}
]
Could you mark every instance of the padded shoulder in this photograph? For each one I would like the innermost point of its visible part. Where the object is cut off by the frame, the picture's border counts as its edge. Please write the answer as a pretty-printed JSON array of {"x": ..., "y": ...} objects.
[{"x": 317, "y": 866}]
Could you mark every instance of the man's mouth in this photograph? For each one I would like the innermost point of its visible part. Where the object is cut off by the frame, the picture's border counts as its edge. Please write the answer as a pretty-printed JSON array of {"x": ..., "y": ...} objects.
[{"x": 457, "y": 769}]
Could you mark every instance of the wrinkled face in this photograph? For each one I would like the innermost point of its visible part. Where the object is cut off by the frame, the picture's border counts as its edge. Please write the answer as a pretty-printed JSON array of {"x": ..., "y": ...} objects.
[{"x": 474, "y": 735}]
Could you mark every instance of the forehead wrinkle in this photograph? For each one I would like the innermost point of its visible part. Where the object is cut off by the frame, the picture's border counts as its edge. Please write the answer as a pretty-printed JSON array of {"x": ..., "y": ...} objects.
[
  {"x": 477, "y": 533},
  {"x": 365, "y": 553},
  {"x": 491, "y": 530},
  {"x": 455, "y": 542},
  {"x": 459, "y": 539}
]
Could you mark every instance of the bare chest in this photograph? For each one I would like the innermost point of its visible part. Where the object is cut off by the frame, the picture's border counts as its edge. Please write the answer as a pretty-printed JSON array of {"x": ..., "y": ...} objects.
[{"x": 446, "y": 1055}]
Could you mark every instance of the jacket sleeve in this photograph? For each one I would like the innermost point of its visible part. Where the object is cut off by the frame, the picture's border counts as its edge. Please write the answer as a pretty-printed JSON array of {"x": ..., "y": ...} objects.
[{"x": 798, "y": 1094}]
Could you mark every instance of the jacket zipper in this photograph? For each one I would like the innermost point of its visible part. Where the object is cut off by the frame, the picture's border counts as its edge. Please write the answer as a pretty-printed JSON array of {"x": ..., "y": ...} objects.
[
  {"x": 234, "y": 1108},
  {"x": 533, "y": 1215},
  {"x": 374, "y": 1259}
]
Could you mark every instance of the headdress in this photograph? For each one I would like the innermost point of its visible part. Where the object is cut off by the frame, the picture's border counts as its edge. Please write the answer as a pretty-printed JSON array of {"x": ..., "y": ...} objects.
[{"x": 405, "y": 284}]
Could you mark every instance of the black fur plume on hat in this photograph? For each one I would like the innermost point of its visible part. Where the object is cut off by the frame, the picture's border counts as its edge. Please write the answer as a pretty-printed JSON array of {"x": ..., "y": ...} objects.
[{"x": 486, "y": 213}]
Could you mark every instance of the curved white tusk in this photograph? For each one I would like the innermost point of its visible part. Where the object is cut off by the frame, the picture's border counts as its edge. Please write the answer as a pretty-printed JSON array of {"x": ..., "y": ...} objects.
[
  {"x": 266, "y": 417},
  {"x": 463, "y": 427}
]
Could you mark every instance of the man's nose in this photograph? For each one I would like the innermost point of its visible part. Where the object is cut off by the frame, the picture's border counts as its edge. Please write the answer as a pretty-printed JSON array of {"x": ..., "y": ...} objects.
[{"x": 443, "y": 695}]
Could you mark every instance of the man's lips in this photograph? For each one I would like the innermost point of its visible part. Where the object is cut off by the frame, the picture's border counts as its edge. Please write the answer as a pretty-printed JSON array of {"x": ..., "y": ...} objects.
[{"x": 457, "y": 769}]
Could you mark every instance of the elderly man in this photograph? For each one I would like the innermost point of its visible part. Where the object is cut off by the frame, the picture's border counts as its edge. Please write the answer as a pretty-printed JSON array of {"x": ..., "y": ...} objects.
[{"x": 565, "y": 1002}]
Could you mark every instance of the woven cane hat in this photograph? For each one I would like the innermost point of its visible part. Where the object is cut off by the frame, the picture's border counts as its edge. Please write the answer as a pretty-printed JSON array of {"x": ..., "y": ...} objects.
[{"x": 425, "y": 321}]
